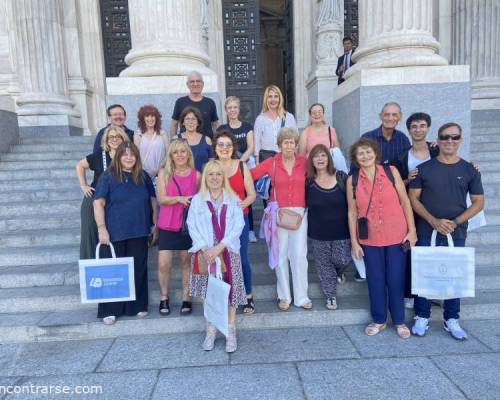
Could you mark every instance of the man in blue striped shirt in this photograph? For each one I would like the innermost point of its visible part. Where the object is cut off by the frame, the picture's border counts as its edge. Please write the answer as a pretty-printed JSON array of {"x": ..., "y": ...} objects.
[{"x": 391, "y": 141}]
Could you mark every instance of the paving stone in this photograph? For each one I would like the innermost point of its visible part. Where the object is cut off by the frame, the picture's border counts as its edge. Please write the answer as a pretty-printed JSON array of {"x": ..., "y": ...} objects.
[
  {"x": 375, "y": 379},
  {"x": 57, "y": 358},
  {"x": 261, "y": 346},
  {"x": 161, "y": 351},
  {"x": 263, "y": 382},
  {"x": 488, "y": 332},
  {"x": 388, "y": 344},
  {"x": 131, "y": 385},
  {"x": 476, "y": 375},
  {"x": 21, "y": 319},
  {"x": 7, "y": 354}
]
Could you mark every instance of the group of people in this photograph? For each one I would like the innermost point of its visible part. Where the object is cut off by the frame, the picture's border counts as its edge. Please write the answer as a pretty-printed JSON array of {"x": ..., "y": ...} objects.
[{"x": 191, "y": 191}]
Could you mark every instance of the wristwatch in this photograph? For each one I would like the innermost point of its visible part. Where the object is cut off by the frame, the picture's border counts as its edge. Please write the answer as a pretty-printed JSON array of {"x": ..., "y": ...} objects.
[{"x": 456, "y": 221}]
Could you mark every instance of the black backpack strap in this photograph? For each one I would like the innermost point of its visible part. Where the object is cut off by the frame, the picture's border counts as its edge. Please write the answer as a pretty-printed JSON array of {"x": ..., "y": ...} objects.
[
  {"x": 341, "y": 180},
  {"x": 355, "y": 176},
  {"x": 283, "y": 120},
  {"x": 242, "y": 170},
  {"x": 389, "y": 174},
  {"x": 330, "y": 136}
]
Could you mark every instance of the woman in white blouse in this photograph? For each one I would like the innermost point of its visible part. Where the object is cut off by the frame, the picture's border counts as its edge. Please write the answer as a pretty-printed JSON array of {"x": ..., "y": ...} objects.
[
  {"x": 215, "y": 223},
  {"x": 272, "y": 118}
]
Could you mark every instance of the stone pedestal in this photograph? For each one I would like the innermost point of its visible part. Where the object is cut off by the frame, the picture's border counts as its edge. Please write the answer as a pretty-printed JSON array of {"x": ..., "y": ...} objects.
[
  {"x": 397, "y": 61},
  {"x": 330, "y": 27},
  {"x": 44, "y": 107},
  {"x": 476, "y": 38},
  {"x": 169, "y": 40}
]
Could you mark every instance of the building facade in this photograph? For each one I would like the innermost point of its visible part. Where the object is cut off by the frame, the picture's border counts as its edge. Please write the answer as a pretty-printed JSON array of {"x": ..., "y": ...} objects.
[{"x": 62, "y": 61}]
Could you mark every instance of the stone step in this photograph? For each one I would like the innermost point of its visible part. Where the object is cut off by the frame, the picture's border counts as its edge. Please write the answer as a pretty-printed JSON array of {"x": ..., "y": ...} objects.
[
  {"x": 493, "y": 217},
  {"x": 43, "y": 164},
  {"x": 480, "y": 156},
  {"x": 41, "y": 195},
  {"x": 491, "y": 192},
  {"x": 40, "y": 184},
  {"x": 490, "y": 146},
  {"x": 62, "y": 139},
  {"x": 489, "y": 234},
  {"x": 486, "y": 130},
  {"x": 489, "y": 136},
  {"x": 40, "y": 238},
  {"x": 490, "y": 177},
  {"x": 39, "y": 256},
  {"x": 47, "y": 156},
  {"x": 29, "y": 174},
  {"x": 84, "y": 148},
  {"x": 20, "y": 223},
  {"x": 82, "y": 324},
  {"x": 489, "y": 166},
  {"x": 40, "y": 209}
]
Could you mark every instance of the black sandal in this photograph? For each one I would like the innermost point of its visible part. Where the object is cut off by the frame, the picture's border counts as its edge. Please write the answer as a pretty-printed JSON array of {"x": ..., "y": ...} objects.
[
  {"x": 164, "y": 307},
  {"x": 250, "y": 306},
  {"x": 186, "y": 308}
]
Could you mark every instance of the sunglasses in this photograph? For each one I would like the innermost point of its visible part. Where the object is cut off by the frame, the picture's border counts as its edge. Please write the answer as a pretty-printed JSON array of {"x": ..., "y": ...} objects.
[{"x": 445, "y": 138}]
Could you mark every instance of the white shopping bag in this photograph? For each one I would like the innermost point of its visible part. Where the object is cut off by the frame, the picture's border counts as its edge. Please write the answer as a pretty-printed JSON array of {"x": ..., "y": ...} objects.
[
  {"x": 360, "y": 266},
  {"x": 217, "y": 299},
  {"x": 107, "y": 280},
  {"x": 339, "y": 160},
  {"x": 443, "y": 272},
  {"x": 478, "y": 220}
]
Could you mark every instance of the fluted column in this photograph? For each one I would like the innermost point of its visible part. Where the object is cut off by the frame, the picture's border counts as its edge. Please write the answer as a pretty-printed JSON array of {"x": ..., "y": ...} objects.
[
  {"x": 476, "y": 41},
  {"x": 329, "y": 30},
  {"x": 395, "y": 33},
  {"x": 167, "y": 38},
  {"x": 41, "y": 60}
]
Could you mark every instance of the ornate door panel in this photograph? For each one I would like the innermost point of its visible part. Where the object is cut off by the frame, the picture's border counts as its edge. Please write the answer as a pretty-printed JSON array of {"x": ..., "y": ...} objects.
[
  {"x": 116, "y": 35},
  {"x": 241, "y": 55},
  {"x": 351, "y": 20}
]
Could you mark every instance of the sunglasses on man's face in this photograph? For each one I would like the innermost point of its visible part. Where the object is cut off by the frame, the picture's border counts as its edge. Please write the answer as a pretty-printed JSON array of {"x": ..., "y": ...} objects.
[{"x": 445, "y": 138}]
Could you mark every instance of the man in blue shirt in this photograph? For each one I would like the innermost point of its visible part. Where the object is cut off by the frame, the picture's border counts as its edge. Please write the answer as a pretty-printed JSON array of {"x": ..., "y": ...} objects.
[
  {"x": 391, "y": 141},
  {"x": 116, "y": 116}
]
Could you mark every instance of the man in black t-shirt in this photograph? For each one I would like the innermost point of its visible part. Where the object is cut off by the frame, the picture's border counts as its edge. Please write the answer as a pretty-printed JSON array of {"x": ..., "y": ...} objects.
[
  {"x": 195, "y": 99},
  {"x": 438, "y": 196}
]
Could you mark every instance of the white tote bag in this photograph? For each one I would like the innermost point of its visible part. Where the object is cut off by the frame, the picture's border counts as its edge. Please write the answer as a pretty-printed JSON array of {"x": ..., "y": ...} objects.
[
  {"x": 478, "y": 220},
  {"x": 360, "y": 266},
  {"x": 217, "y": 299},
  {"x": 107, "y": 280},
  {"x": 443, "y": 272},
  {"x": 339, "y": 160}
]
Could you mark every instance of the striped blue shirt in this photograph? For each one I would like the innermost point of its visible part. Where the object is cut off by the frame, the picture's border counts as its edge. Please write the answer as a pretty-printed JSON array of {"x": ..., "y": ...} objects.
[{"x": 390, "y": 149}]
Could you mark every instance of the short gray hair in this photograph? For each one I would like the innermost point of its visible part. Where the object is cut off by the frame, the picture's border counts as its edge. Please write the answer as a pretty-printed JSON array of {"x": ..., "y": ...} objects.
[
  {"x": 287, "y": 133},
  {"x": 195, "y": 73},
  {"x": 390, "y": 103}
]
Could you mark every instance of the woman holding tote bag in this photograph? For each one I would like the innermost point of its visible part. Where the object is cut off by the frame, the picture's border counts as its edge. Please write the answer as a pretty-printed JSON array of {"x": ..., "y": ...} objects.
[{"x": 215, "y": 222}]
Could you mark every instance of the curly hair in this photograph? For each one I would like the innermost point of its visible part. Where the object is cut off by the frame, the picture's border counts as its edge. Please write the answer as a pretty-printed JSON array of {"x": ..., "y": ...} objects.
[
  {"x": 363, "y": 142},
  {"x": 148, "y": 109}
]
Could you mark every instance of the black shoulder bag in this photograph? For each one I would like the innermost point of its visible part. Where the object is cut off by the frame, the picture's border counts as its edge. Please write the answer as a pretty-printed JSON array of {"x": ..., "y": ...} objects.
[
  {"x": 363, "y": 221},
  {"x": 184, "y": 228}
]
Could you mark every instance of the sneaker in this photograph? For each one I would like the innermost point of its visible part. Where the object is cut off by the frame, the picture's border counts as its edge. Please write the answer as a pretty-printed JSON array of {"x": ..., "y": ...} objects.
[
  {"x": 420, "y": 327},
  {"x": 358, "y": 278},
  {"x": 341, "y": 278},
  {"x": 409, "y": 303},
  {"x": 251, "y": 237},
  {"x": 331, "y": 303},
  {"x": 451, "y": 325}
]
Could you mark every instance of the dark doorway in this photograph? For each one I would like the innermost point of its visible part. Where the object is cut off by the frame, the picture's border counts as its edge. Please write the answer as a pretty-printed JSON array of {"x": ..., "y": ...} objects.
[
  {"x": 258, "y": 51},
  {"x": 351, "y": 20}
]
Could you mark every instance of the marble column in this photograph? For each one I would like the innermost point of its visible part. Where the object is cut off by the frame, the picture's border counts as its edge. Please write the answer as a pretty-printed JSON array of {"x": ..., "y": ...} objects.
[
  {"x": 167, "y": 38},
  {"x": 476, "y": 41},
  {"x": 41, "y": 64},
  {"x": 329, "y": 32},
  {"x": 395, "y": 33}
]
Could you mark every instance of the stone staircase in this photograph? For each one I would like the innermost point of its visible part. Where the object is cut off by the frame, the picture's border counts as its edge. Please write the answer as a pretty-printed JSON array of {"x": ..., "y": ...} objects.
[{"x": 39, "y": 248}]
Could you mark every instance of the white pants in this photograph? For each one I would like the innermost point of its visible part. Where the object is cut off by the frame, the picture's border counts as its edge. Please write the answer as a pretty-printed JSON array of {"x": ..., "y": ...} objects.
[{"x": 293, "y": 249}]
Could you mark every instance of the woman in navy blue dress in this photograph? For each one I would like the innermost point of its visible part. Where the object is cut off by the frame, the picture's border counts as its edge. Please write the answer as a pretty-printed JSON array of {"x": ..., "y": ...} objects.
[{"x": 125, "y": 214}]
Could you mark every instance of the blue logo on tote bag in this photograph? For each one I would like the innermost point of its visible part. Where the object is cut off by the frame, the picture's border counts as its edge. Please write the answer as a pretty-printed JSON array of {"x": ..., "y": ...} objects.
[{"x": 107, "y": 281}]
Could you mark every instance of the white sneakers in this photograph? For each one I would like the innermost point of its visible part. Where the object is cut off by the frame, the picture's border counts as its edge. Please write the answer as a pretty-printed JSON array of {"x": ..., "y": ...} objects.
[{"x": 451, "y": 325}]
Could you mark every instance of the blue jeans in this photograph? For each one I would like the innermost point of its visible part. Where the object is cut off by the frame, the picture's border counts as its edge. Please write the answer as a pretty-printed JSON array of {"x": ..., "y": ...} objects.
[
  {"x": 422, "y": 305},
  {"x": 245, "y": 263},
  {"x": 385, "y": 275}
]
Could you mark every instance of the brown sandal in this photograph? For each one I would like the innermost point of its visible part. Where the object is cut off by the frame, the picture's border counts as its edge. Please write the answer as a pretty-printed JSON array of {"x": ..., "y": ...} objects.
[
  {"x": 403, "y": 331},
  {"x": 283, "y": 305},
  {"x": 374, "y": 329}
]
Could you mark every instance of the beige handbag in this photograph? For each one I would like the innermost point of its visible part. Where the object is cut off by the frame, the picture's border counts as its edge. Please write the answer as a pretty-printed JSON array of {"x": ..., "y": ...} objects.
[{"x": 289, "y": 219}]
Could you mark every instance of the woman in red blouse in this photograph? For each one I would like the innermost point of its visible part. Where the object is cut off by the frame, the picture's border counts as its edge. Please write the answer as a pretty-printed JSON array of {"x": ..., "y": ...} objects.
[
  {"x": 287, "y": 170},
  {"x": 379, "y": 196}
]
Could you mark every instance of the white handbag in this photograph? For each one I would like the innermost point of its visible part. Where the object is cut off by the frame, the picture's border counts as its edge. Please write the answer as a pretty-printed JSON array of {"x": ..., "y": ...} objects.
[
  {"x": 339, "y": 160},
  {"x": 217, "y": 300},
  {"x": 443, "y": 272}
]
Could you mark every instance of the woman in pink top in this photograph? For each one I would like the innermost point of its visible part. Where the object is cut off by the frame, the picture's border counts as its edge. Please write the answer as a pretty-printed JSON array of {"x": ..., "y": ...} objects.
[
  {"x": 288, "y": 175},
  {"x": 379, "y": 196},
  {"x": 317, "y": 132},
  {"x": 177, "y": 183}
]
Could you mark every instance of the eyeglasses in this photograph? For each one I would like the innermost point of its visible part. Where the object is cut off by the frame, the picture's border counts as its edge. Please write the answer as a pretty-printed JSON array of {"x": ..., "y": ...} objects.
[
  {"x": 114, "y": 137},
  {"x": 223, "y": 145},
  {"x": 445, "y": 138}
]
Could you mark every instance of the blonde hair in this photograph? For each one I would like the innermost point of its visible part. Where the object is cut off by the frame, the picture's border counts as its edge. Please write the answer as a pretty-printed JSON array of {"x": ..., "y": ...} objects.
[
  {"x": 215, "y": 165},
  {"x": 175, "y": 145},
  {"x": 287, "y": 133},
  {"x": 281, "y": 105},
  {"x": 230, "y": 99},
  {"x": 109, "y": 129}
]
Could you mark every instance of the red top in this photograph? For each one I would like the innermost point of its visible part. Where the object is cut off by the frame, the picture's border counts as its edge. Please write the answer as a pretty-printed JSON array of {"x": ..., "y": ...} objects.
[
  {"x": 237, "y": 182},
  {"x": 290, "y": 189},
  {"x": 386, "y": 218}
]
